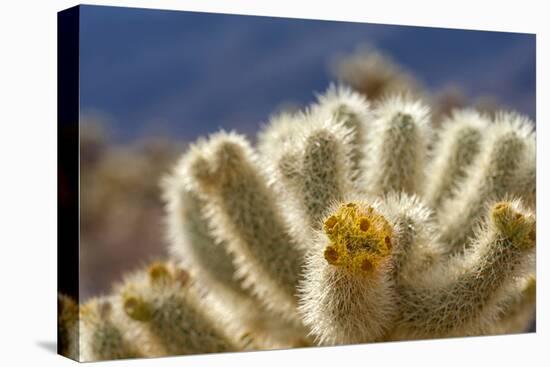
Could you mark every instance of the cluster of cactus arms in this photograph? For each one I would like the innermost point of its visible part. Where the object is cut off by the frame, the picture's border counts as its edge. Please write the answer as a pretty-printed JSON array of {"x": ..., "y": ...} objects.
[{"x": 346, "y": 222}]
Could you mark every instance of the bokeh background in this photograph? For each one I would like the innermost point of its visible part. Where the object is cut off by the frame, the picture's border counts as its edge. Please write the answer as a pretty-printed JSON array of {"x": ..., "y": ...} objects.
[{"x": 153, "y": 81}]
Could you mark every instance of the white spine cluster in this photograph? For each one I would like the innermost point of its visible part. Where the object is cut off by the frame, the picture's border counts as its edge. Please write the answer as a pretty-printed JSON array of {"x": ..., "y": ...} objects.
[
  {"x": 397, "y": 153},
  {"x": 212, "y": 266},
  {"x": 167, "y": 312},
  {"x": 313, "y": 171},
  {"x": 101, "y": 334},
  {"x": 244, "y": 214},
  {"x": 353, "y": 110},
  {"x": 463, "y": 295},
  {"x": 458, "y": 144},
  {"x": 495, "y": 174}
]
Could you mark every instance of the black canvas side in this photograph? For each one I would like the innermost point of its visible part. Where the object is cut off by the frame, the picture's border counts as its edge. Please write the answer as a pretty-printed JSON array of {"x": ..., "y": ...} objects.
[{"x": 68, "y": 25}]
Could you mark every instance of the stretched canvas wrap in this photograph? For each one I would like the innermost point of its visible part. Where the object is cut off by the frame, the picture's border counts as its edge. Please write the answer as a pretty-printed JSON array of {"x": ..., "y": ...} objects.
[{"x": 237, "y": 183}]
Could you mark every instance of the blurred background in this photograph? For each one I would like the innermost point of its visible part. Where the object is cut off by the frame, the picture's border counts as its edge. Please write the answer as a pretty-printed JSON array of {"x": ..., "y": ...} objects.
[{"x": 153, "y": 81}]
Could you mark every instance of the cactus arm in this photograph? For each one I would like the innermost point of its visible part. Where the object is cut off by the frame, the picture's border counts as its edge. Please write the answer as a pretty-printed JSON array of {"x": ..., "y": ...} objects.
[
  {"x": 518, "y": 311},
  {"x": 101, "y": 335},
  {"x": 244, "y": 214},
  {"x": 312, "y": 172},
  {"x": 190, "y": 238},
  {"x": 495, "y": 174},
  {"x": 461, "y": 296},
  {"x": 353, "y": 110},
  {"x": 166, "y": 307},
  {"x": 458, "y": 144},
  {"x": 396, "y": 157}
]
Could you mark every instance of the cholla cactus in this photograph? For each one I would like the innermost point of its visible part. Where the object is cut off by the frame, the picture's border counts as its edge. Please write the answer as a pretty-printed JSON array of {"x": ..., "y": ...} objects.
[
  {"x": 155, "y": 312},
  {"x": 348, "y": 223},
  {"x": 170, "y": 313},
  {"x": 396, "y": 157},
  {"x": 503, "y": 167},
  {"x": 101, "y": 333},
  {"x": 374, "y": 74},
  {"x": 193, "y": 245},
  {"x": 67, "y": 327}
]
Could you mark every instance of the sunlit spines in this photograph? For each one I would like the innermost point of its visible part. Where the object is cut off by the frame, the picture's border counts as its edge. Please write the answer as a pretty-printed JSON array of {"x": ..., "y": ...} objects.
[
  {"x": 353, "y": 110},
  {"x": 397, "y": 153},
  {"x": 347, "y": 295},
  {"x": 68, "y": 327},
  {"x": 171, "y": 314},
  {"x": 254, "y": 328},
  {"x": 325, "y": 171},
  {"x": 102, "y": 335},
  {"x": 192, "y": 244},
  {"x": 190, "y": 238},
  {"x": 462, "y": 297},
  {"x": 375, "y": 74},
  {"x": 496, "y": 173},
  {"x": 281, "y": 130},
  {"x": 518, "y": 310},
  {"x": 313, "y": 171},
  {"x": 457, "y": 145},
  {"x": 526, "y": 187},
  {"x": 416, "y": 248},
  {"x": 244, "y": 214}
]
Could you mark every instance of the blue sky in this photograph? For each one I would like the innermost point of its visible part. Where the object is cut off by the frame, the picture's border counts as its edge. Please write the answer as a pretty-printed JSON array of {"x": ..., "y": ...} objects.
[{"x": 185, "y": 74}]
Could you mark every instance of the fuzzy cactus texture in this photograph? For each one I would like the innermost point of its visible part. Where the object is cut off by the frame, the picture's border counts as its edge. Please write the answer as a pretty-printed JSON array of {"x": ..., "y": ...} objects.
[{"x": 351, "y": 221}]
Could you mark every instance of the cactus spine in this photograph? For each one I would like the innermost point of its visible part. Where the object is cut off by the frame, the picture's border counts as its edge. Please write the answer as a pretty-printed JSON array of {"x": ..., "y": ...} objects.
[
  {"x": 101, "y": 336},
  {"x": 496, "y": 172},
  {"x": 395, "y": 159},
  {"x": 164, "y": 305},
  {"x": 195, "y": 248},
  {"x": 458, "y": 144},
  {"x": 464, "y": 301},
  {"x": 314, "y": 171},
  {"x": 244, "y": 214}
]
